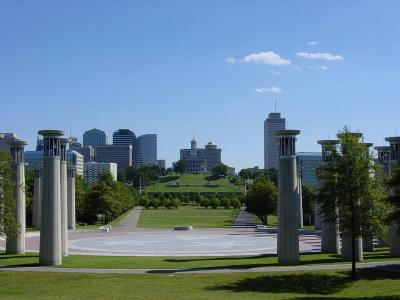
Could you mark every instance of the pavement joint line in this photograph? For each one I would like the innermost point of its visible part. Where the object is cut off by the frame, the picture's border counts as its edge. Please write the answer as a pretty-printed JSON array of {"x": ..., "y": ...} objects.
[{"x": 345, "y": 266}]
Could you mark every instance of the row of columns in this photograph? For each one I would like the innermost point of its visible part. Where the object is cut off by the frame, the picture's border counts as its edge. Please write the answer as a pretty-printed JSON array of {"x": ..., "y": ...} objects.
[{"x": 53, "y": 208}]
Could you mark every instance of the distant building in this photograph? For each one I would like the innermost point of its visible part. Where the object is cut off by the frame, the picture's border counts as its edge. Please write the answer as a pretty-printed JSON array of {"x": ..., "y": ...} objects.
[
  {"x": 161, "y": 163},
  {"x": 95, "y": 137},
  {"x": 74, "y": 141},
  {"x": 212, "y": 155},
  {"x": 75, "y": 159},
  {"x": 5, "y": 138},
  {"x": 273, "y": 123},
  {"x": 93, "y": 170},
  {"x": 119, "y": 154},
  {"x": 231, "y": 171},
  {"x": 146, "y": 150},
  {"x": 33, "y": 158},
  {"x": 200, "y": 160},
  {"x": 308, "y": 162},
  {"x": 126, "y": 137},
  {"x": 39, "y": 145},
  {"x": 86, "y": 151}
]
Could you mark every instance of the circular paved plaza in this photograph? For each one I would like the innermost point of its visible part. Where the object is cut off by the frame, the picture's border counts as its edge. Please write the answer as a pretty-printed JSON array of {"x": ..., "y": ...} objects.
[{"x": 158, "y": 242}]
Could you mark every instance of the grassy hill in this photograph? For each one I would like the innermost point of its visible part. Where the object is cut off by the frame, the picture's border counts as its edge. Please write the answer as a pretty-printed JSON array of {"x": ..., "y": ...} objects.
[{"x": 192, "y": 183}]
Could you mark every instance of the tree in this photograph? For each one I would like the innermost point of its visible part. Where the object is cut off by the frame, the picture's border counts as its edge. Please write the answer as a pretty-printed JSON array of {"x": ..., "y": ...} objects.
[
  {"x": 309, "y": 198},
  {"x": 8, "y": 222},
  {"x": 81, "y": 191},
  {"x": 219, "y": 170},
  {"x": 261, "y": 199},
  {"x": 393, "y": 199},
  {"x": 179, "y": 166},
  {"x": 347, "y": 183}
]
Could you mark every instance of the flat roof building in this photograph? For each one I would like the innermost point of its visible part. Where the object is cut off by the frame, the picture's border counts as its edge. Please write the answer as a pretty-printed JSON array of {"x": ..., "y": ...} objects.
[
  {"x": 93, "y": 170},
  {"x": 76, "y": 160},
  {"x": 119, "y": 154},
  {"x": 307, "y": 163},
  {"x": 146, "y": 150}
]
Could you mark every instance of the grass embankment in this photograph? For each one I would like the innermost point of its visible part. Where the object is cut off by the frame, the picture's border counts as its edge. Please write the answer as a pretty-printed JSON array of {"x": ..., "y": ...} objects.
[
  {"x": 188, "y": 263},
  {"x": 373, "y": 284},
  {"x": 199, "y": 183},
  {"x": 187, "y": 215}
]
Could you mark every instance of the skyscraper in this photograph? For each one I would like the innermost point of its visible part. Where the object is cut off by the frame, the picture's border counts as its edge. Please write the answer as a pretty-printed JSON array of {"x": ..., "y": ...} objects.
[
  {"x": 212, "y": 155},
  {"x": 273, "y": 123},
  {"x": 126, "y": 137},
  {"x": 146, "y": 150},
  {"x": 94, "y": 137}
]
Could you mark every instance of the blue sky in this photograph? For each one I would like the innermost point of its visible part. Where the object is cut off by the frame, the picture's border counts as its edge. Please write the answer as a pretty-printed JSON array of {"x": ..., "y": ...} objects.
[{"x": 212, "y": 67}]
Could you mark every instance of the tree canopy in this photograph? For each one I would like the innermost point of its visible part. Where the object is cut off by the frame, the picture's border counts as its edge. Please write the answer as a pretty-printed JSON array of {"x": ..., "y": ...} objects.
[{"x": 219, "y": 170}]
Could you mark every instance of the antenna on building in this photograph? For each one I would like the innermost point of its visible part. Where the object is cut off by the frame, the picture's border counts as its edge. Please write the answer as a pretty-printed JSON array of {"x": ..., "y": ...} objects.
[{"x": 275, "y": 104}]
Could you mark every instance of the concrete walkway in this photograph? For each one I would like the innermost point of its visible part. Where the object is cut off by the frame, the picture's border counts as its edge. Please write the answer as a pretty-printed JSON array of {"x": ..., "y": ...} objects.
[
  {"x": 392, "y": 266},
  {"x": 131, "y": 220},
  {"x": 244, "y": 220}
]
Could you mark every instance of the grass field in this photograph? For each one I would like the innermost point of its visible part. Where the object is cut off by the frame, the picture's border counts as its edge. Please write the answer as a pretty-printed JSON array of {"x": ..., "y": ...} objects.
[
  {"x": 188, "y": 263},
  {"x": 192, "y": 183},
  {"x": 187, "y": 215},
  {"x": 373, "y": 284}
]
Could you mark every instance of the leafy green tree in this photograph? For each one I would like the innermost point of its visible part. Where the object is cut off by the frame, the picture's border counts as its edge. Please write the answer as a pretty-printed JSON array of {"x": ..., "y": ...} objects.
[
  {"x": 29, "y": 178},
  {"x": 261, "y": 199},
  {"x": 347, "y": 183},
  {"x": 8, "y": 222},
  {"x": 235, "y": 203},
  {"x": 81, "y": 191},
  {"x": 219, "y": 170},
  {"x": 309, "y": 199},
  {"x": 144, "y": 201},
  {"x": 214, "y": 203},
  {"x": 226, "y": 202},
  {"x": 179, "y": 166},
  {"x": 205, "y": 202},
  {"x": 393, "y": 184}
]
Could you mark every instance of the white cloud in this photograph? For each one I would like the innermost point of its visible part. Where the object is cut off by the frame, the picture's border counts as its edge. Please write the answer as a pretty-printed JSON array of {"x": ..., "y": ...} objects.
[
  {"x": 268, "y": 57},
  {"x": 313, "y": 43},
  {"x": 318, "y": 55},
  {"x": 320, "y": 68},
  {"x": 274, "y": 72},
  {"x": 273, "y": 89},
  {"x": 230, "y": 60}
]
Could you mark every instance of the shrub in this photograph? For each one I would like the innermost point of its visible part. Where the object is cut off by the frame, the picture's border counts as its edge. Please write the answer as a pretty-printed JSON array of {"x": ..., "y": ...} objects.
[
  {"x": 214, "y": 203},
  {"x": 226, "y": 202},
  {"x": 205, "y": 202},
  {"x": 154, "y": 203}
]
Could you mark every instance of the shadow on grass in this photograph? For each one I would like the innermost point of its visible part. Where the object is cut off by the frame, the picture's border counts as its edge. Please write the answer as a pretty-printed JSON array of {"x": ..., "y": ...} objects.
[
  {"x": 309, "y": 283},
  {"x": 17, "y": 260},
  {"x": 222, "y": 258}
]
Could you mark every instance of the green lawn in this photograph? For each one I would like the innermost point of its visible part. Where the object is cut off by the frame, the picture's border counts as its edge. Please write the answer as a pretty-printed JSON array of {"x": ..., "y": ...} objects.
[
  {"x": 373, "y": 284},
  {"x": 192, "y": 183},
  {"x": 187, "y": 215},
  {"x": 132, "y": 262}
]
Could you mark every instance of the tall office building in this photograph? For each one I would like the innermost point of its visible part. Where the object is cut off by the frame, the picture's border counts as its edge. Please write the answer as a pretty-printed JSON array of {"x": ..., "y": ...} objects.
[
  {"x": 95, "y": 137},
  {"x": 126, "y": 137},
  {"x": 119, "y": 154},
  {"x": 146, "y": 150},
  {"x": 86, "y": 151},
  {"x": 76, "y": 160},
  {"x": 273, "y": 123},
  {"x": 307, "y": 164}
]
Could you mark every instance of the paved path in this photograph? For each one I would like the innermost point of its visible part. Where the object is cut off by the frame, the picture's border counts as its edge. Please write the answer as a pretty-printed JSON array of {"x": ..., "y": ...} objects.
[
  {"x": 388, "y": 265},
  {"x": 244, "y": 220},
  {"x": 131, "y": 220}
]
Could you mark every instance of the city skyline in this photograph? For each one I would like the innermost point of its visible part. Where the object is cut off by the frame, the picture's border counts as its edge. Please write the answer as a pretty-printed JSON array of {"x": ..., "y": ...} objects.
[{"x": 134, "y": 65}]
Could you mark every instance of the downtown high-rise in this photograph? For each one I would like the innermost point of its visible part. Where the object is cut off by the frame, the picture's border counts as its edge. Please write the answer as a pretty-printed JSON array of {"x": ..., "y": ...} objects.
[{"x": 273, "y": 123}]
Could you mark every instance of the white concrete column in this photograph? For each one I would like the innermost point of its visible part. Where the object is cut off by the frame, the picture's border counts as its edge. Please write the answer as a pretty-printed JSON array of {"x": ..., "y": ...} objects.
[
  {"x": 347, "y": 248},
  {"x": 71, "y": 198},
  {"x": 37, "y": 198},
  {"x": 300, "y": 193},
  {"x": 16, "y": 244},
  {"x": 288, "y": 199},
  {"x": 50, "y": 229},
  {"x": 330, "y": 235},
  {"x": 64, "y": 197}
]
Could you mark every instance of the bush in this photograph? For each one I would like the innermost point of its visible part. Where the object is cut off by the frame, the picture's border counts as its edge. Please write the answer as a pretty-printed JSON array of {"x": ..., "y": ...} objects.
[
  {"x": 205, "y": 202},
  {"x": 226, "y": 202},
  {"x": 235, "y": 203},
  {"x": 154, "y": 203},
  {"x": 172, "y": 203},
  {"x": 144, "y": 201},
  {"x": 214, "y": 203}
]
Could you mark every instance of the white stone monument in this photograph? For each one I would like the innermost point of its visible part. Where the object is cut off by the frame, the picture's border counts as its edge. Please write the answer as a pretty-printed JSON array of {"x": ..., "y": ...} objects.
[
  {"x": 71, "y": 198},
  {"x": 288, "y": 199},
  {"x": 50, "y": 224}
]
